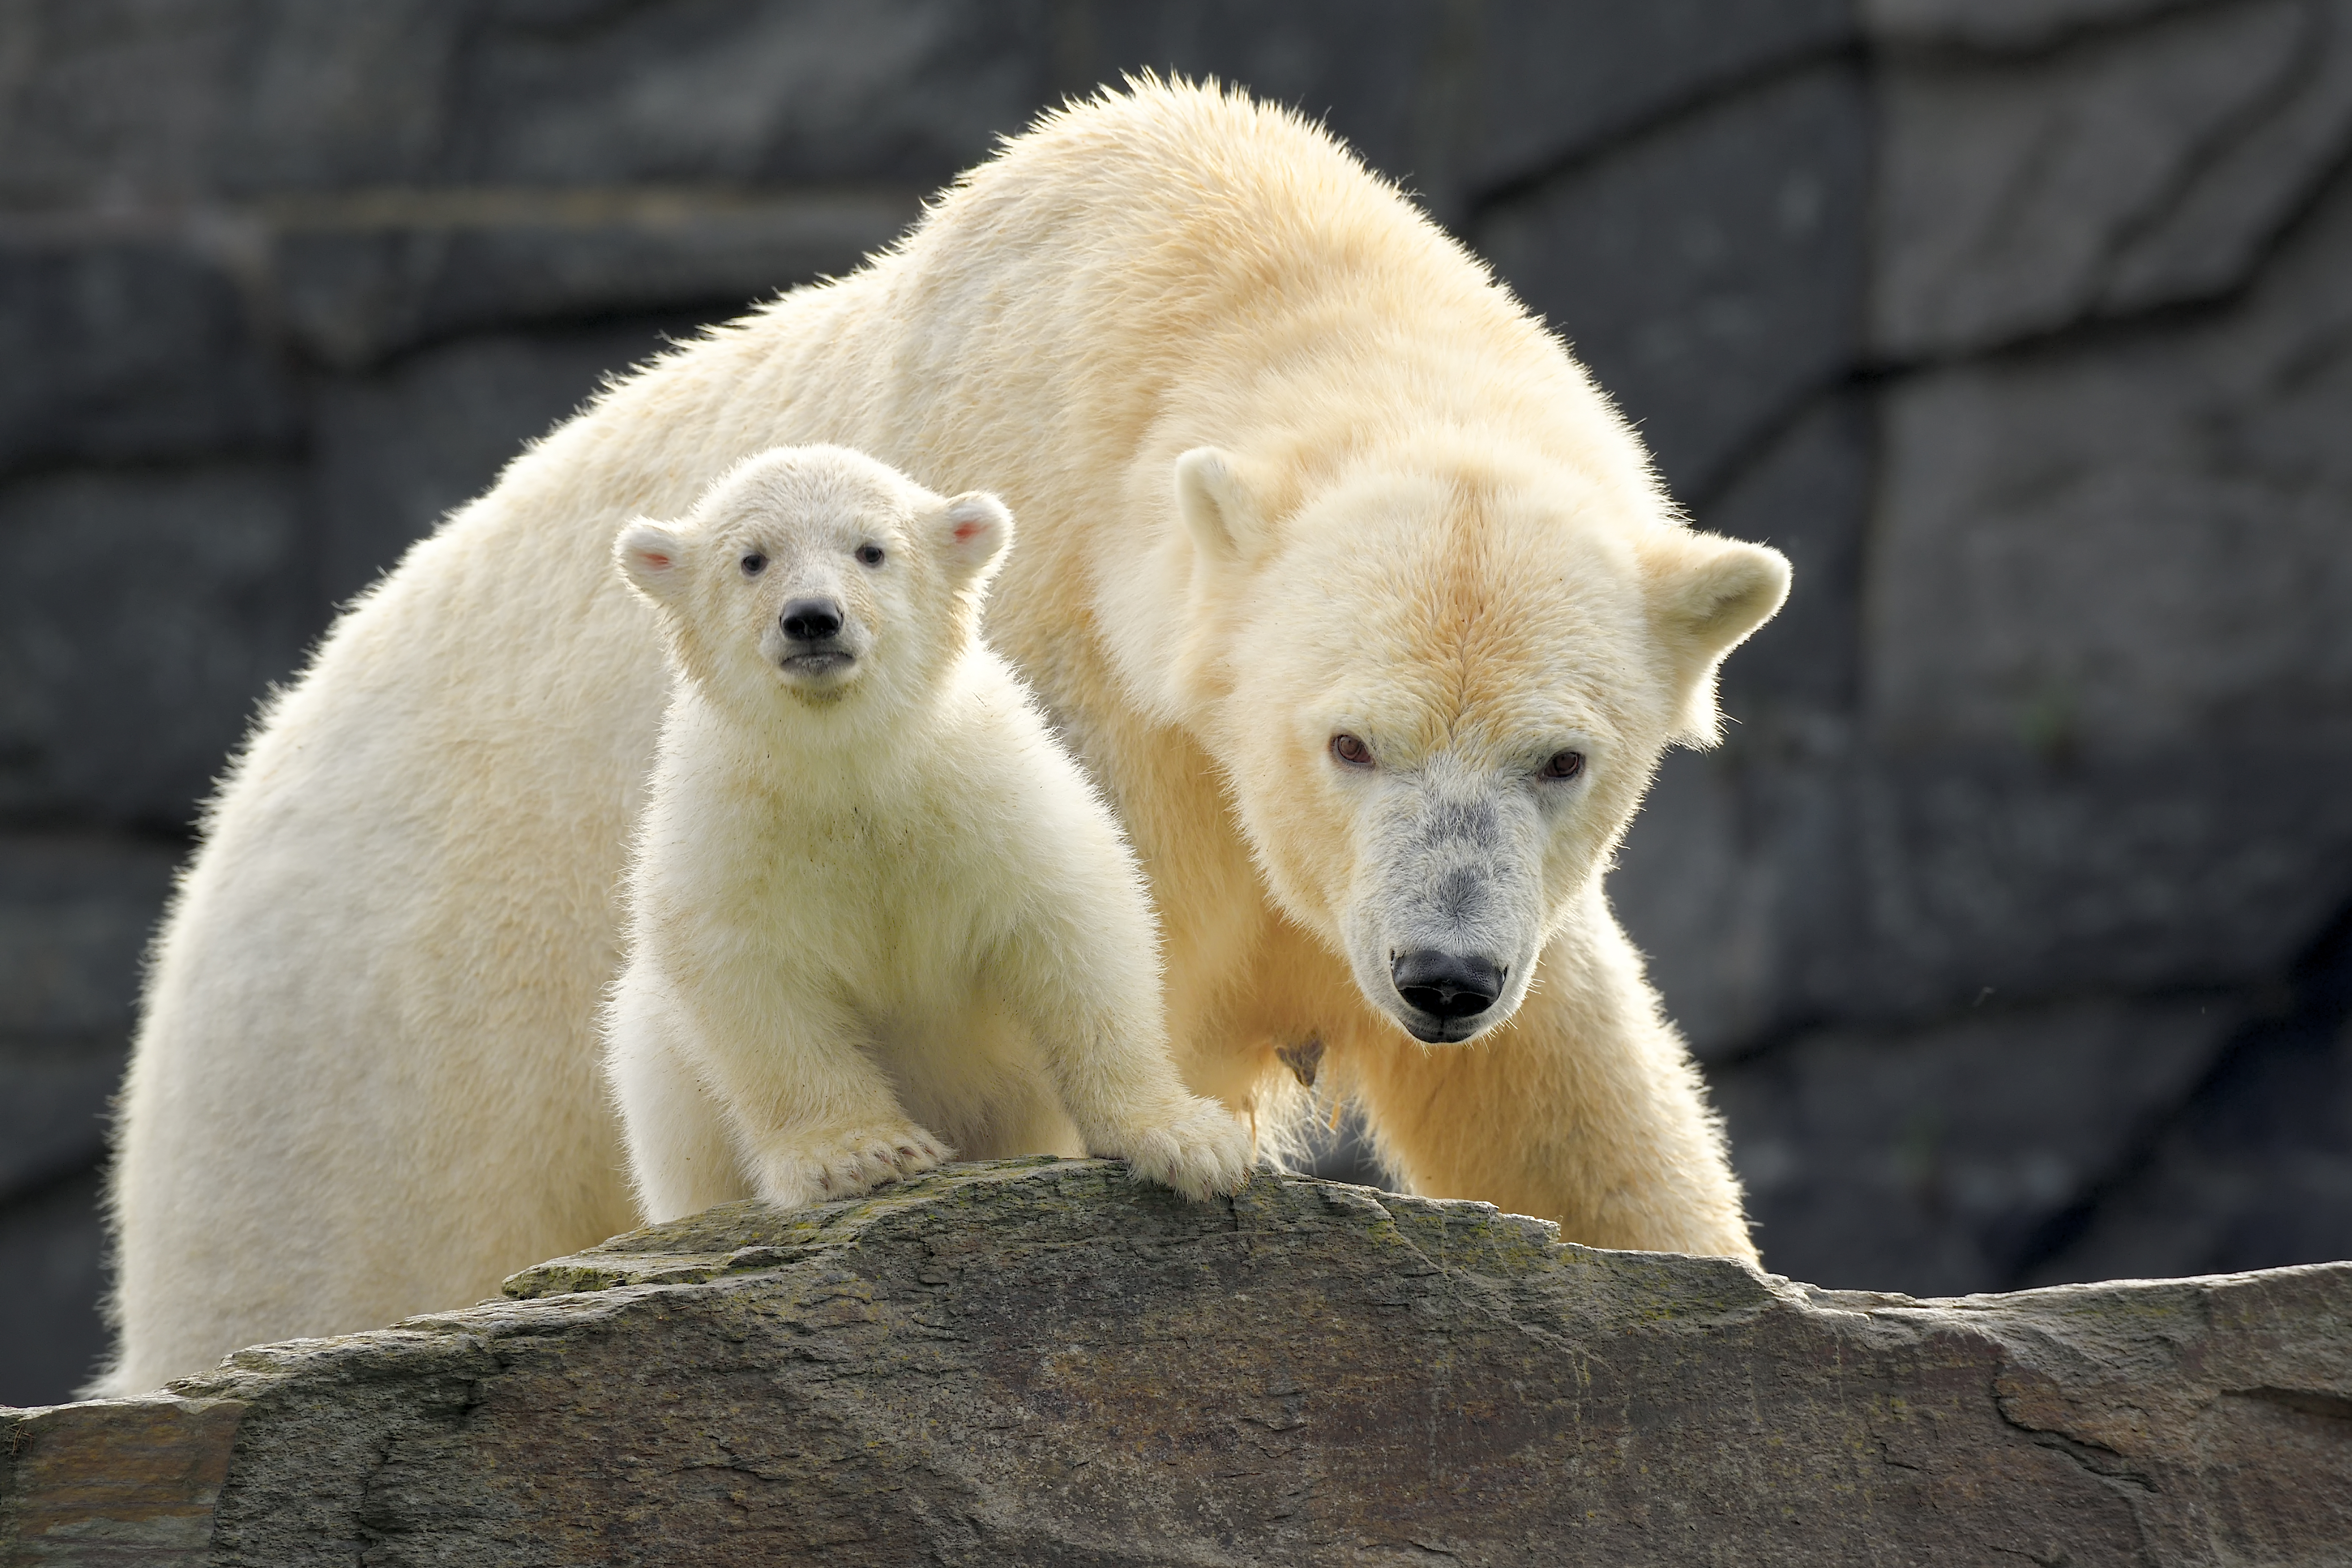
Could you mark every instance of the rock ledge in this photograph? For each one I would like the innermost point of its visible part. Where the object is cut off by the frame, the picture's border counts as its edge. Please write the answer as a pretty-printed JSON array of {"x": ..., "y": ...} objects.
[{"x": 1042, "y": 1362}]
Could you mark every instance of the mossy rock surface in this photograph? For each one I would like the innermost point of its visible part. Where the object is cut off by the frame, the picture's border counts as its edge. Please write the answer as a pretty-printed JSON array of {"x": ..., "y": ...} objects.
[{"x": 1044, "y": 1362}]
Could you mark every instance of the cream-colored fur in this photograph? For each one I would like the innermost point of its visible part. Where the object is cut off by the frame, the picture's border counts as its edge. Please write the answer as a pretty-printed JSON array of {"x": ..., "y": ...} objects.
[
  {"x": 868, "y": 883},
  {"x": 367, "y": 1079}
]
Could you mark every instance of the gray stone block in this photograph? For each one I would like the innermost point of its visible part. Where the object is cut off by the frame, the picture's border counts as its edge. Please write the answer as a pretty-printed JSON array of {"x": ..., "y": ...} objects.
[
  {"x": 1709, "y": 272},
  {"x": 1738, "y": 877},
  {"x": 144, "y": 614},
  {"x": 1932, "y": 1162},
  {"x": 2146, "y": 168},
  {"x": 75, "y": 914},
  {"x": 1808, "y": 494},
  {"x": 126, "y": 101},
  {"x": 112, "y": 100},
  {"x": 114, "y": 103},
  {"x": 2214, "y": 1200},
  {"x": 52, "y": 1255},
  {"x": 742, "y": 92},
  {"x": 398, "y": 450},
  {"x": 361, "y": 280},
  {"x": 54, "y": 1104},
  {"x": 128, "y": 350},
  {"x": 1558, "y": 79},
  {"x": 2147, "y": 869},
  {"x": 1775, "y": 881},
  {"x": 76, "y": 909},
  {"x": 1738, "y": 882},
  {"x": 2106, "y": 664},
  {"x": 2131, "y": 540},
  {"x": 2258, "y": 1168}
]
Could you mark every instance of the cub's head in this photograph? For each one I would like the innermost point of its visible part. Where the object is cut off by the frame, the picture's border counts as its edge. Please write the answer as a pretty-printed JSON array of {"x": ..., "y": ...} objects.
[
  {"x": 1439, "y": 687},
  {"x": 817, "y": 573}
]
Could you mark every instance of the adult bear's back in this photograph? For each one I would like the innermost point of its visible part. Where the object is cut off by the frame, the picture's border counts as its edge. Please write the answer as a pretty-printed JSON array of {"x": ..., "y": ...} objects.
[{"x": 366, "y": 1083}]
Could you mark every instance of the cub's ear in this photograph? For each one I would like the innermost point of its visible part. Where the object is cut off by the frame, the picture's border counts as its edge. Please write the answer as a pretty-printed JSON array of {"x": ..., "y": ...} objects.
[
  {"x": 652, "y": 558},
  {"x": 1216, "y": 505},
  {"x": 973, "y": 534},
  {"x": 1706, "y": 593}
]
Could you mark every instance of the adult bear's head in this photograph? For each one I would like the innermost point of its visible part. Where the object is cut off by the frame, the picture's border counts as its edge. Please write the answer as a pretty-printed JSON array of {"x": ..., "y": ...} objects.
[{"x": 1439, "y": 681}]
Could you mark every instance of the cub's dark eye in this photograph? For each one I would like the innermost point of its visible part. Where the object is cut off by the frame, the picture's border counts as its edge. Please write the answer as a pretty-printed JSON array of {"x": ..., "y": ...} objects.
[
  {"x": 1563, "y": 766},
  {"x": 869, "y": 555},
  {"x": 1351, "y": 751},
  {"x": 754, "y": 563}
]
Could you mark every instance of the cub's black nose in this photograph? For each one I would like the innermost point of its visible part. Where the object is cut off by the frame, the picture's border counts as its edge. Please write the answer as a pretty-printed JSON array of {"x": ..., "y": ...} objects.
[
  {"x": 812, "y": 620},
  {"x": 1447, "y": 985}
]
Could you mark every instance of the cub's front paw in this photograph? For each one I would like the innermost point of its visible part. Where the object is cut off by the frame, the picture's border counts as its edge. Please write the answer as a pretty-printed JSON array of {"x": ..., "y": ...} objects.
[
  {"x": 1199, "y": 1151},
  {"x": 842, "y": 1162}
]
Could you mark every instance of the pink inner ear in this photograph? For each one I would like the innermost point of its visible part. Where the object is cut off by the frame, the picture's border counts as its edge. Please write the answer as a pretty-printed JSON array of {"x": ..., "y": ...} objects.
[
  {"x": 964, "y": 530},
  {"x": 658, "y": 563}
]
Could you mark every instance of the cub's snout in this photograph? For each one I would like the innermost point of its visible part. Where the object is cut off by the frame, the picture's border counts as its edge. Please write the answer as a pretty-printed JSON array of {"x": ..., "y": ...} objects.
[
  {"x": 812, "y": 644},
  {"x": 811, "y": 620}
]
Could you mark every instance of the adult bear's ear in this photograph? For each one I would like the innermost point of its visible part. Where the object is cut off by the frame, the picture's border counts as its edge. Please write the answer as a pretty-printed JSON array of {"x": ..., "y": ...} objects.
[
  {"x": 652, "y": 558},
  {"x": 973, "y": 534},
  {"x": 1706, "y": 593},
  {"x": 1216, "y": 505}
]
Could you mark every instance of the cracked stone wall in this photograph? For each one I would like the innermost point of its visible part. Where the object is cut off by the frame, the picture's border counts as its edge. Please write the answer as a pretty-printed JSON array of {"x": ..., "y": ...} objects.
[{"x": 2015, "y": 920}]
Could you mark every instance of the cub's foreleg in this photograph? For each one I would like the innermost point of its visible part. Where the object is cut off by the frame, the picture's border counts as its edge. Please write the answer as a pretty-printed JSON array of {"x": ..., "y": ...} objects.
[
  {"x": 804, "y": 1112},
  {"x": 1087, "y": 980},
  {"x": 681, "y": 1158}
]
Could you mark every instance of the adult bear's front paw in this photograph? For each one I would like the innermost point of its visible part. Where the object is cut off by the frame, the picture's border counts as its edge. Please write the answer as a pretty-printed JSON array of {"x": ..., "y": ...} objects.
[
  {"x": 842, "y": 1163},
  {"x": 1200, "y": 1151}
]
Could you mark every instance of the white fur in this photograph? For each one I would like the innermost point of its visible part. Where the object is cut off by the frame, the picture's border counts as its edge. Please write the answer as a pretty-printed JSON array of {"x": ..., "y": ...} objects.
[
  {"x": 878, "y": 912},
  {"x": 367, "y": 1081}
]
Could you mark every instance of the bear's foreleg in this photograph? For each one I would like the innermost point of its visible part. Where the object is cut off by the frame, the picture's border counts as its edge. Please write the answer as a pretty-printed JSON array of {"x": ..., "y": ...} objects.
[
  {"x": 809, "y": 1115},
  {"x": 815, "y": 1118},
  {"x": 1585, "y": 1108},
  {"x": 1099, "y": 1024},
  {"x": 681, "y": 1158}
]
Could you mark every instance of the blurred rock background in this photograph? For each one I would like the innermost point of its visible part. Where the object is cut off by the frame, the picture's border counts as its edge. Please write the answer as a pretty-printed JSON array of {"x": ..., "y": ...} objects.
[{"x": 2014, "y": 922}]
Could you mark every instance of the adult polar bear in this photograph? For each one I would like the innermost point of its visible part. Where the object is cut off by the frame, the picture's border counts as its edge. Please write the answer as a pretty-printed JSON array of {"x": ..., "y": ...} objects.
[{"x": 1358, "y": 601}]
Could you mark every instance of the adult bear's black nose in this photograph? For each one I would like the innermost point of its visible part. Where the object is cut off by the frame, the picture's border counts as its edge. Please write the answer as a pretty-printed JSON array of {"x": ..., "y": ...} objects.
[
  {"x": 812, "y": 620},
  {"x": 1447, "y": 985}
]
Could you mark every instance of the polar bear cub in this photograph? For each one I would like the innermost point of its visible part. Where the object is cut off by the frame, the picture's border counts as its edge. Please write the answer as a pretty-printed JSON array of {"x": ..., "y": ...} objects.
[{"x": 876, "y": 912}]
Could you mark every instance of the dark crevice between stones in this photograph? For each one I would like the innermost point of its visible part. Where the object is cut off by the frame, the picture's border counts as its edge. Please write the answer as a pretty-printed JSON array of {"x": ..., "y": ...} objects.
[
  {"x": 2095, "y": 330},
  {"x": 1477, "y": 203},
  {"x": 2101, "y": 1463},
  {"x": 48, "y": 1180},
  {"x": 290, "y": 453},
  {"x": 2083, "y": 32},
  {"x": 55, "y": 823},
  {"x": 1758, "y": 447},
  {"x": 1783, "y": 1034},
  {"x": 2315, "y": 1009},
  {"x": 2303, "y": 1401},
  {"x": 2226, "y": 138}
]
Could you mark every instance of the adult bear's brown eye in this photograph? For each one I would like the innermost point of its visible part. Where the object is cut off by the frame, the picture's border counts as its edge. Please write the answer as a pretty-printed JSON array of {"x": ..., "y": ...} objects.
[
  {"x": 1564, "y": 765},
  {"x": 754, "y": 563},
  {"x": 869, "y": 555},
  {"x": 1351, "y": 751}
]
